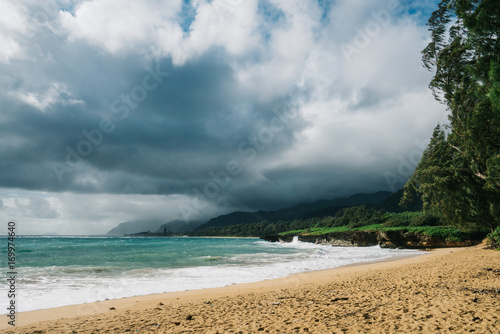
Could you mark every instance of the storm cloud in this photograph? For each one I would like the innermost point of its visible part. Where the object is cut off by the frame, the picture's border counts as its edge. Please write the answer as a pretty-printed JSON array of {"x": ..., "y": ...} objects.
[{"x": 115, "y": 111}]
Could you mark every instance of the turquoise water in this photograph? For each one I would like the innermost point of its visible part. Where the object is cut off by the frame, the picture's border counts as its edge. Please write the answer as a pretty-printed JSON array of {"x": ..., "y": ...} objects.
[
  {"x": 122, "y": 254},
  {"x": 58, "y": 271}
]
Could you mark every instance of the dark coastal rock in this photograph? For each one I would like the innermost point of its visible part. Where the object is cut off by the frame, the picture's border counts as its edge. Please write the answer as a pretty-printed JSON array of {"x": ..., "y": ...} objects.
[
  {"x": 275, "y": 238},
  {"x": 386, "y": 239},
  {"x": 345, "y": 239},
  {"x": 405, "y": 239}
]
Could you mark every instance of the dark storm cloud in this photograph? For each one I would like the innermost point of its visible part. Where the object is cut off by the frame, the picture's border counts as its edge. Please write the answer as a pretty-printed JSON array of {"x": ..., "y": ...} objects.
[
  {"x": 227, "y": 107},
  {"x": 191, "y": 123}
]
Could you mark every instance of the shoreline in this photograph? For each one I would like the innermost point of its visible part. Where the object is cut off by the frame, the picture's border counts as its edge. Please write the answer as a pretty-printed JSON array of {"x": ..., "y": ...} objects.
[
  {"x": 435, "y": 292},
  {"x": 98, "y": 307},
  {"x": 245, "y": 261}
]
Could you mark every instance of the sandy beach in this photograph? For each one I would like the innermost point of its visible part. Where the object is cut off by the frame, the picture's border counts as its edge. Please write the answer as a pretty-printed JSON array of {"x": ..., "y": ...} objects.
[{"x": 446, "y": 291}]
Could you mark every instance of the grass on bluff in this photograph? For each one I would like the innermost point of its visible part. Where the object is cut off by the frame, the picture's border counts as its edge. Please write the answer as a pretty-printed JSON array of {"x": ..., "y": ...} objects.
[{"x": 448, "y": 232}]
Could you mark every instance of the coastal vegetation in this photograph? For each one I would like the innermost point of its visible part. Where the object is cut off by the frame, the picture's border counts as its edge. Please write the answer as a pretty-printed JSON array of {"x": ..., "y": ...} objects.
[
  {"x": 449, "y": 233},
  {"x": 494, "y": 238},
  {"x": 357, "y": 218}
]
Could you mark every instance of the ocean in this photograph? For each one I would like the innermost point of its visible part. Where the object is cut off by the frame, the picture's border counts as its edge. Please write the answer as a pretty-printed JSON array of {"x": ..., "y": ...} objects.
[{"x": 68, "y": 270}]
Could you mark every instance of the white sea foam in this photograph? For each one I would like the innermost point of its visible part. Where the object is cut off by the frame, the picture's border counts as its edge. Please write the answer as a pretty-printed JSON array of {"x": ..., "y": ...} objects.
[{"x": 40, "y": 288}]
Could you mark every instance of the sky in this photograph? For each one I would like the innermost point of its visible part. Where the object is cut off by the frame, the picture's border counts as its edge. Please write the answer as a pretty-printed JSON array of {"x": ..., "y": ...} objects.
[{"x": 112, "y": 111}]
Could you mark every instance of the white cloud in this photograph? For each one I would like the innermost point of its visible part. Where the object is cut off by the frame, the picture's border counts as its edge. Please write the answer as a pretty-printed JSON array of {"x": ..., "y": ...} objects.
[
  {"x": 68, "y": 213},
  {"x": 46, "y": 97},
  {"x": 365, "y": 138},
  {"x": 231, "y": 25},
  {"x": 153, "y": 27},
  {"x": 356, "y": 107},
  {"x": 116, "y": 26},
  {"x": 14, "y": 28},
  {"x": 29, "y": 207},
  {"x": 368, "y": 110},
  {"x": 283, "y": 54}
]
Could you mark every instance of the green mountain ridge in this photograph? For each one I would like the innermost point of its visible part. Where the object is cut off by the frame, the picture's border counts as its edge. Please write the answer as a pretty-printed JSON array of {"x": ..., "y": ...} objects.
[
  {"x": 322, "y": 208},
  {"x": 301, "y": 211}
]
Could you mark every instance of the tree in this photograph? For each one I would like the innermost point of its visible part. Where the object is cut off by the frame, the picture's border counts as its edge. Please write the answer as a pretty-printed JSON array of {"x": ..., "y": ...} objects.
[{"x": 459, "y": 173}]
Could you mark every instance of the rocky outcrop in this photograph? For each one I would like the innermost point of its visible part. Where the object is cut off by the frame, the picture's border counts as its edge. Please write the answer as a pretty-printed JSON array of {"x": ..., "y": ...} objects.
[
  {"x": 386, "y": 239},
  {"x": 345, "y": 239},
  {"x": 405, "y": 239}
]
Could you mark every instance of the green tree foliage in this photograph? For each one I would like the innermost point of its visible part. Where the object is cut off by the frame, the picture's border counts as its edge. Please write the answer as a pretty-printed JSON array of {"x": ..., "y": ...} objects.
[
  {"x": 410, "y": 219},
  {"x": 256, "y": 229},
  {"x": 458, "y": 176},
  {"x": 351, "y": 218},
  {"x": 355, "y": 216}
]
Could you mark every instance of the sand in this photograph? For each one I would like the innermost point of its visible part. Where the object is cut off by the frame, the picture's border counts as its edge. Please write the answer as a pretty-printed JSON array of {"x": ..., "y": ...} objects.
[{"x": 446, "y": 291}]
